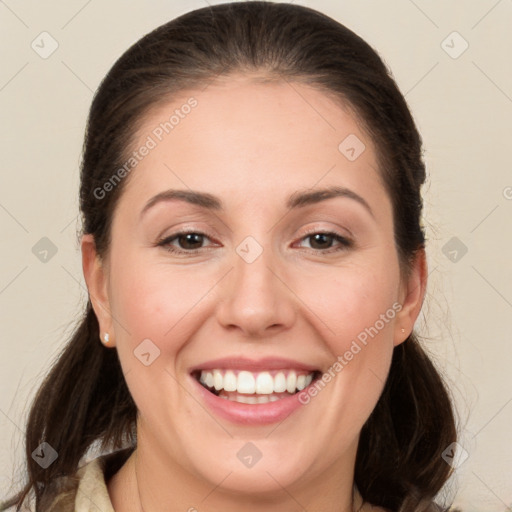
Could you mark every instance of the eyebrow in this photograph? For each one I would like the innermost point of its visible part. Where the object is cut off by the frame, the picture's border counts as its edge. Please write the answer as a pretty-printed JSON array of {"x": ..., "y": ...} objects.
[{"x": 296, "y": 200}]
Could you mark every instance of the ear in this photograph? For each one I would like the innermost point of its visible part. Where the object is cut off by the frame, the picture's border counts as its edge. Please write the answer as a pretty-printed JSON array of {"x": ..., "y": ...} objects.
[
  {"x": 412, "y": 294},
  {"x": 96, "y": 278}
]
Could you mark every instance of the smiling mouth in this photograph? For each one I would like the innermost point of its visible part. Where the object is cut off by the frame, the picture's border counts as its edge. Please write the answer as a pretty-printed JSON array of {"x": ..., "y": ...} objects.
[{"x": 255, "y": 387}]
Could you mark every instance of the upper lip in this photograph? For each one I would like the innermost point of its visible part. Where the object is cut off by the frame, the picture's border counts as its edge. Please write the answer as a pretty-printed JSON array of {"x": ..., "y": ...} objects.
[{"x": 242, "y": 363}]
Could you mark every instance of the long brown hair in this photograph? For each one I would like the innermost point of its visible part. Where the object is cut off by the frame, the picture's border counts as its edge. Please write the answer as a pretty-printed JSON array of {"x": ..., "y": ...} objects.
[{"x": 84, "y": 398}]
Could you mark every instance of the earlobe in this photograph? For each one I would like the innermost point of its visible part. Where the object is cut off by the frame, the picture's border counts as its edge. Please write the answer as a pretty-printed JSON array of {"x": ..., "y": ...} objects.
[
  {"x": 412, "y": 296},
  {"x": 96, "y": 279}
]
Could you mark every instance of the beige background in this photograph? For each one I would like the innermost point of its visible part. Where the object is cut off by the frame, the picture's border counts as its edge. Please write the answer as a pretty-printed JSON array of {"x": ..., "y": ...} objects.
[{"x": 463, "y": 107}]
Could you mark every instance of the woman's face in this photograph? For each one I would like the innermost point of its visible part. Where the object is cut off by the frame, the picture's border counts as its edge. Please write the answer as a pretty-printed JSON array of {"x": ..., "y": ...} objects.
[{"x": 255, "y": 286}]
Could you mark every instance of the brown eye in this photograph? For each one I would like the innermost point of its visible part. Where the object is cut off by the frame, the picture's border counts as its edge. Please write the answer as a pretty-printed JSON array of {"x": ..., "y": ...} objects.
[
  {"x": 184, "y": 242},
  {"x": 190, "y": 241},
  {"x": 321, "y": 241},
  {"x": 326, "y": 242}
]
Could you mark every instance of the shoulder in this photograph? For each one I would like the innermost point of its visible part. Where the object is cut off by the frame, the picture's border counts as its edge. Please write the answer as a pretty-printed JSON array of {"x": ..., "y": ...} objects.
[
  {"x": 374, "y": 508},
  {"x": 431, "y": 507},
  {"x": 86, "y": 491}
]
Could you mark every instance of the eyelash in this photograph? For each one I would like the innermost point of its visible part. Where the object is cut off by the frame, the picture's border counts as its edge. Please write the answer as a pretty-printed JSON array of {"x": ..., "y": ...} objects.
[{"x": 345, "y": 243}]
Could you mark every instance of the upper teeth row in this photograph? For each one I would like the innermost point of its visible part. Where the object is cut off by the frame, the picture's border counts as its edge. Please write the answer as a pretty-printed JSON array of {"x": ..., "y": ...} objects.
[{"x": 262, "y": 383}]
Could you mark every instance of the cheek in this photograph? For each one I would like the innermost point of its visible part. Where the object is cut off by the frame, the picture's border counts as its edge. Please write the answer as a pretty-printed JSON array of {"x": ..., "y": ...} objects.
[
  {"x": 352, "y": 311},
  {"x": 354, "y": 317},
  {"x": 350, "y": 301},
  {"x": 149, "y": 301}
]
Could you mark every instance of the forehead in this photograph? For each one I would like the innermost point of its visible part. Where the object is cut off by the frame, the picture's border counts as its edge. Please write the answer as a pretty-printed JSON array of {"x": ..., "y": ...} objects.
[{"x": 245, "y": 138}]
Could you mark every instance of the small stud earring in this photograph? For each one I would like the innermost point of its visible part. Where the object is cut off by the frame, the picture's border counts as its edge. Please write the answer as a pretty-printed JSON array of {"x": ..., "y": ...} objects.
[
  {"x": 106, "y": 337},
  {"x": 403, "y": 330}
]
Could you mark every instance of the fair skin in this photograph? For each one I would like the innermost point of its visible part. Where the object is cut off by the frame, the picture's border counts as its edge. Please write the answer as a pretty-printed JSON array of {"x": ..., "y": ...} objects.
[{"x": 251, "y": 145}]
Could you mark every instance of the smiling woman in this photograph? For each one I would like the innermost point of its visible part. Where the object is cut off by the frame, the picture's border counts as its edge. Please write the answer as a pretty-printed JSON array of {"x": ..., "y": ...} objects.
[{"x": 253, "y": 283}]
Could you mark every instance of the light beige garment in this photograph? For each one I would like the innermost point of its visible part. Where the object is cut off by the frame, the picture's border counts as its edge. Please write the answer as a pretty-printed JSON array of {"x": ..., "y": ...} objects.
[
  {"x": 86, "y": 491},
  {"x": 92, "y": 494}
]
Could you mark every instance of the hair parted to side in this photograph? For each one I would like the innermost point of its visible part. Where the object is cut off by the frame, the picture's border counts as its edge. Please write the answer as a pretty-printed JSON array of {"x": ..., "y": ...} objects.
[{"x": 398, "y": 464}]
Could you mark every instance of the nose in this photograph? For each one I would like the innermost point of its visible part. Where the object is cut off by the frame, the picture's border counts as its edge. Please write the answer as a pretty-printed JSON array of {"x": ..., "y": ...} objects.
[{"x": 255, "y": 299}]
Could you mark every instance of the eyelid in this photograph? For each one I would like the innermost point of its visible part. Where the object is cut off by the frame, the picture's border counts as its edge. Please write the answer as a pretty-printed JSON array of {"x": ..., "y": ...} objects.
[
  {"x": 334, "y": 231},
  {"x": 344, "y": 233},
  {"x": 163, "y": 241},
  {"x": 344, "y": 243},
  {"x": 185, "y": 228}
]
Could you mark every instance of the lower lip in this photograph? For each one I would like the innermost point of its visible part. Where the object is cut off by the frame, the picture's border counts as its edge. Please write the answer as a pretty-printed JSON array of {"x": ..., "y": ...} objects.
[{"x": 250, "y": 414}]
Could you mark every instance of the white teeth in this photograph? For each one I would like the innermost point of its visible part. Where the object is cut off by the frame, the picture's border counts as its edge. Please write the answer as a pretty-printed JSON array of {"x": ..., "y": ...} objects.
[
  {"x": 251, "y": 399},
  {"x": 230, "y": 381},
  {"x": 264, "y": 383},
  {"x": 291, "y": 382},
  {"x": 217, "y": 380},
  {"x": 261, "y": 383},
  {"x": 280, "y": 383},
  {"x": 209, "y": 379},
  {"x": 246, "y": 383}
]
